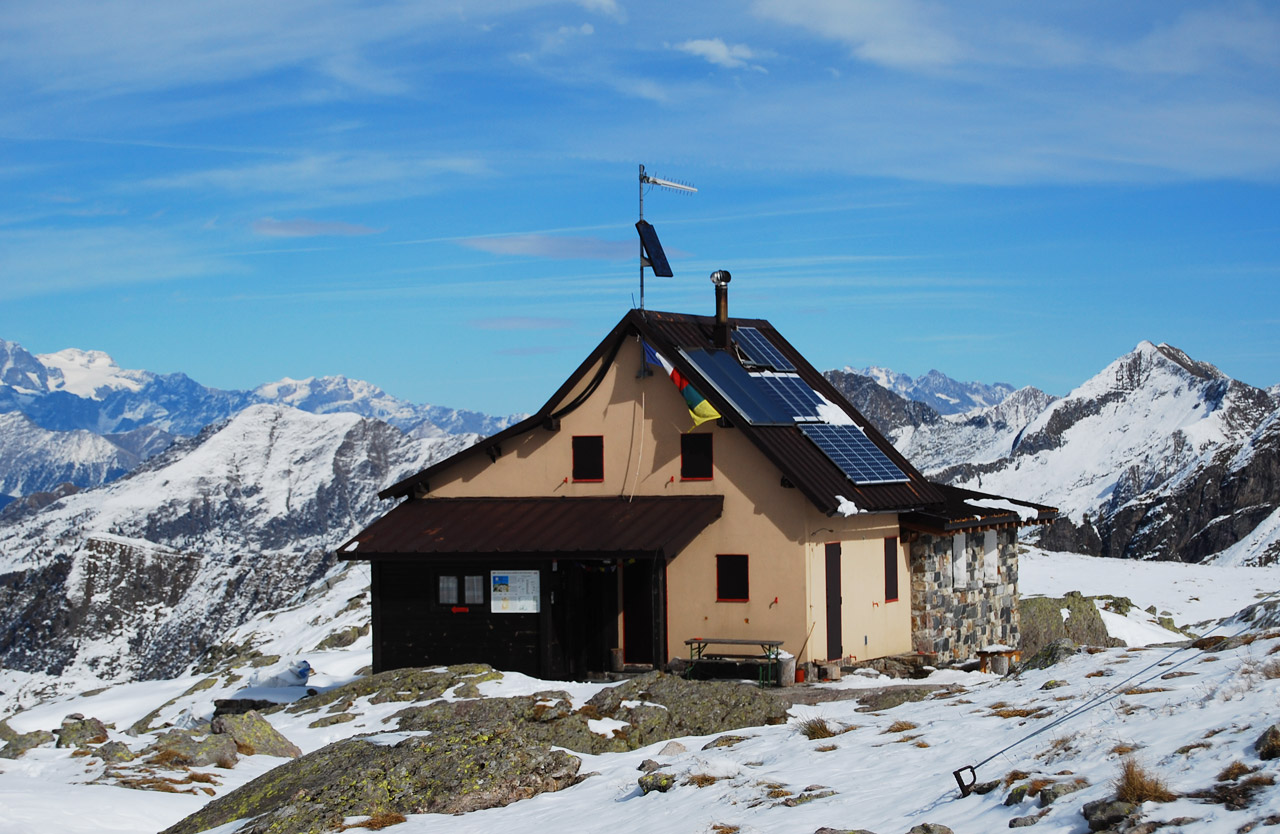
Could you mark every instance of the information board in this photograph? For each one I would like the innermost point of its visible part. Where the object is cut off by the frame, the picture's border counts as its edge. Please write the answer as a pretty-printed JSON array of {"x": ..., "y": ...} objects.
[{"x": 514, "y": 591}]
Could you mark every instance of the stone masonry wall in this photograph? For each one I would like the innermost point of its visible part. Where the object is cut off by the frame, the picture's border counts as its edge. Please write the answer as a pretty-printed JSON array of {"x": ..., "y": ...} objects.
[{"x": 963, "y": 599}]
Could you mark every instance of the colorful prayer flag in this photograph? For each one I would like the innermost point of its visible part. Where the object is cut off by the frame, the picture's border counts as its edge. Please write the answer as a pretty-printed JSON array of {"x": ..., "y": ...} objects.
[{"x": 699, "y": 408}]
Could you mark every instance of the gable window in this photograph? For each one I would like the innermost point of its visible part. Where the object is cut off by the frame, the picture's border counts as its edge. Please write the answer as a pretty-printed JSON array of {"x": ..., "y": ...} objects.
[
  {"x": 891, "y": 569},
  {"x": 460, "y": 590},
  {"x": 588, "y": 457},
  {"x": 731, "y": 578},
  {"x": 695, "y": 457}
]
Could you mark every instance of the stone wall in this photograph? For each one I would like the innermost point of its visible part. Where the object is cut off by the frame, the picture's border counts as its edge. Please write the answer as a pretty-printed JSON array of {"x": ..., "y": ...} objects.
[{"x": 964, "y": 596}]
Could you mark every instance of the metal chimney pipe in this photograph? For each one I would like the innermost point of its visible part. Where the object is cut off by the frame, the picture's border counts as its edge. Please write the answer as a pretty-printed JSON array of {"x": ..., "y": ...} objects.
[{"x": 720, "y": 335}]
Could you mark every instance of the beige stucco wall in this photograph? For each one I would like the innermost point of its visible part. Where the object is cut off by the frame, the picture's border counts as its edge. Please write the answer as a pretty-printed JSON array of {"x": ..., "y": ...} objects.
[{"x": 779, "y": 530}]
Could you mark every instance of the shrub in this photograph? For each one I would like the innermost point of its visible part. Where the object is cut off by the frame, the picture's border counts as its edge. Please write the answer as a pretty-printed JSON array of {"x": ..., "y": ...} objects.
[{"x": 1137, "y": 785}]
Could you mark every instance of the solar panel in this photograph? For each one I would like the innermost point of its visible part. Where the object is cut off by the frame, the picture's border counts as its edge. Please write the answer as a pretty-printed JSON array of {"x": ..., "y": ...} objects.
[
  {"x": 653, "y": 250},
  {"x": 857, "y": 457},
  {"x": 793, "y": 394},
  {"x": 760, "y": 351}
]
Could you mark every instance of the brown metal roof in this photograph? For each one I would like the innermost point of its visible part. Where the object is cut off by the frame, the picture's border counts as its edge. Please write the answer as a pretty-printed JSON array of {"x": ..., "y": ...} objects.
[
  {"x": 959, "y": 513},
  {"x": 602, "y": 527}
]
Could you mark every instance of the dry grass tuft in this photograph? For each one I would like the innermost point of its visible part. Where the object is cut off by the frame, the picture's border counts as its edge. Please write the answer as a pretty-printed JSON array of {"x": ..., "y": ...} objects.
[
  {"x": 999, "y": 705},
  {"x": 1137, "y": 785},
  {"x": 1014, "y": 776},
  {"x": 1123, "y": 749},
  {"x": 377, "y": 822},
  {"x": 196, "y": 776},
  {"x": 922, "y": 744},
  {"x": 1100, "y": 673},
  {"x": 1187, "y": 749},
  {"x": 827, "y": 748},
  {"x": 1094, "y": 649},
  {"x": 1274, "y": 649},
  {"x": 1145, "y": 690},
  {"x": 245, "y": 749},
  {"x": 1271, "y": 669},
  {"x": 721, "y": 828},
  {"x": 901, "y": 727},
  {"x": 1034, "y": 786},
  {"x": 1234, "y": 771},
  {"x": 812, "y": 728},
  {"x": 701, "y": 780},
  {"x": 1011, "y": 712}
]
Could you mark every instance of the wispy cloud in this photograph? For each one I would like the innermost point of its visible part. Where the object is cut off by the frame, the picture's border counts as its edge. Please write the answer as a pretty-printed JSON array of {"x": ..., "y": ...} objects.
[
  {"x": 715, "y": 50},
  {"x": 550, "y": 246},
  {"x": 301, "y": 227},
  {"x": 521, "y": 323}
]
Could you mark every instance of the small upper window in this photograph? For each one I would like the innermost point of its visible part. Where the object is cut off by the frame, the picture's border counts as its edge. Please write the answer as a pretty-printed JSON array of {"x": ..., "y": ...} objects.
[
  {"x": 588, "y": 458},
  {"x": 695, "y": 457},
  {"x": 448, "y": 590},
  {"x": 731, "y": 578}
]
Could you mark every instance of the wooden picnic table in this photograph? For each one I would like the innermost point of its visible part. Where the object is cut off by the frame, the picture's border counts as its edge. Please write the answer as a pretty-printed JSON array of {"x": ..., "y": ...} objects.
[{"x": 767, "y": 660}]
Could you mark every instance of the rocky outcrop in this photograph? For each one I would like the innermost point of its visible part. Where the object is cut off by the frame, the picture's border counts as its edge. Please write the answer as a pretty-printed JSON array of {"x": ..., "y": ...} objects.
[
  {"x": 1043, "y": 622},
  {"x": 450, "y": 771},
  {"x": 78, "y": 731},
  {"x": 653, "y": 707}
]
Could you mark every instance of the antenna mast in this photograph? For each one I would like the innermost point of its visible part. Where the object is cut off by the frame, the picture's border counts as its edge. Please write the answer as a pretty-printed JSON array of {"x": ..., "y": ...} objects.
[{"x": 645, "y": 179}]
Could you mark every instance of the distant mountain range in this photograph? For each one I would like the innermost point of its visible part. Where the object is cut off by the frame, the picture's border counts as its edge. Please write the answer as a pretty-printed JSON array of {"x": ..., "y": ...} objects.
[
  {"x": 76, "y": 417},
  {"x": 937, "y": 390}
]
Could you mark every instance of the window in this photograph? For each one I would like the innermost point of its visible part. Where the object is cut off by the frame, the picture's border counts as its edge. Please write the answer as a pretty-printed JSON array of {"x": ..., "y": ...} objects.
[
  {"x": 731, "y": 578},
  {"x": 990, "y": 558},
  {"x": 472, "y": 590},
  {"x": 891, "y": 569},
  {"x": 588, "y": 458},
  {"x": 695, "y": 457}
]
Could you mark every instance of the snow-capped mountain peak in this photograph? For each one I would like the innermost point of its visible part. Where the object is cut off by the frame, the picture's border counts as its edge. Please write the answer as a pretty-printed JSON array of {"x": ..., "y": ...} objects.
[
  {"x": 21, "y": 370},
  {"x": 90, "y": 373},
  {"x": 937, "y": 390}
]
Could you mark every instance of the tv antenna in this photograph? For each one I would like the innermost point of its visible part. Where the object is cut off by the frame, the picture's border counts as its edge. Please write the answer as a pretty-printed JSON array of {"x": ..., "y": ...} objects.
[{"x": 651, "y": 254}]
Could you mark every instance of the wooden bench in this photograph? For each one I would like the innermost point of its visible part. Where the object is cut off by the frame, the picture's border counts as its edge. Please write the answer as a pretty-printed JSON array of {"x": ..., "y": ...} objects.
[{"x": 768, "y": 661}]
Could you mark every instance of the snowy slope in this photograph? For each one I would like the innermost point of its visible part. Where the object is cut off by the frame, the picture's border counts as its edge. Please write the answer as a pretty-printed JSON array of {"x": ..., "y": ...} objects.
[
  {"x": 33, "y": 459},
  {"x": 982, "y": 435},
  {"x": 136, "y": 578},
  {"x": 1185, "y": 714}
]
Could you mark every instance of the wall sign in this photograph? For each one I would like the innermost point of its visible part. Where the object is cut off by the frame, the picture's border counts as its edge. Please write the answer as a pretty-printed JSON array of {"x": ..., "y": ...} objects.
[{"x": 514, "y": 591}]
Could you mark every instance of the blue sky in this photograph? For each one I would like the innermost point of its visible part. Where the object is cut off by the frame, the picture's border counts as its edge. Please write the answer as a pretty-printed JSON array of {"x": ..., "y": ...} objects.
[{"x": 441, "y": 198}]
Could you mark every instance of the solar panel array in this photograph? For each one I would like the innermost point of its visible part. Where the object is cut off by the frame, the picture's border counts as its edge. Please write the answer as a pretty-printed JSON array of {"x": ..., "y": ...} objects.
[
  {"x": 785, "y": 399},
  {"x": 857, "y": 457},
  {"x": 760, "y": 351}
]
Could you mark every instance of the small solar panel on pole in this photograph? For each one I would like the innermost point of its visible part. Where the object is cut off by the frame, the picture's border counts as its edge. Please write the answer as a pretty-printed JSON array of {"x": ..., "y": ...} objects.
[{"x": 651, "y": 254}]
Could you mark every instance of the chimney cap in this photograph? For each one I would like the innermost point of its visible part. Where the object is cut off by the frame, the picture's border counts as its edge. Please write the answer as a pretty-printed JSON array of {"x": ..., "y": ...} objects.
[{"x": 721, "y": 277}]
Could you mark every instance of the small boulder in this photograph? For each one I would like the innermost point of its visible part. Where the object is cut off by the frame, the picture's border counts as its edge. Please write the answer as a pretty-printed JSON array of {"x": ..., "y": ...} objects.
[
  {"x": 253, "y": 734},
  {"x": 649, "y": 766},
  {"x": 660, "y": 782},
  {"x": 1053, "y": 684},
  {"x": 673, "y": 748},
  {"x": 1051, "y": 655},
  {"x": 1268, "y": 744},
  {"x": 180, "y": 747},
  {"x": 114, "y": 752},
  {"x": 724, "y": 741},
  {"x": 982, "y": 788},
  {"x": 1016, "y": 795},
  {"x": 1051, "y": 793},
  {"x": 239, "y": 706},
  {"x": 22, "y": 742},
  {"x": 1105, "y": 813},
  {"x": 930, "y": 828},
  {"x": 81, "y": 732},
  {"x": 1023, "y": 822}
]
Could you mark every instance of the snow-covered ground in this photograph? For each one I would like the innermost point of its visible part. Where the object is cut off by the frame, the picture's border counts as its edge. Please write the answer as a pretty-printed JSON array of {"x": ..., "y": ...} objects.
[{"x": 1186, "y": 728}]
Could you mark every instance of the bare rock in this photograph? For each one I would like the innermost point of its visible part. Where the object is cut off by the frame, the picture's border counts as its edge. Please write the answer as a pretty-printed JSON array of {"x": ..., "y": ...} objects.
[
  {"x": 78, "y": 731},
  {"x": 22, "y": 742},
  {"x": 1105, "y": 813},
  {"x": 253, "y": 734},
  {"x": 433, "y": 774},
  {"x": 1268, "y": 744},
  {"x": 657, "y": 781},
  {"x": 181, "y": 747}
]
